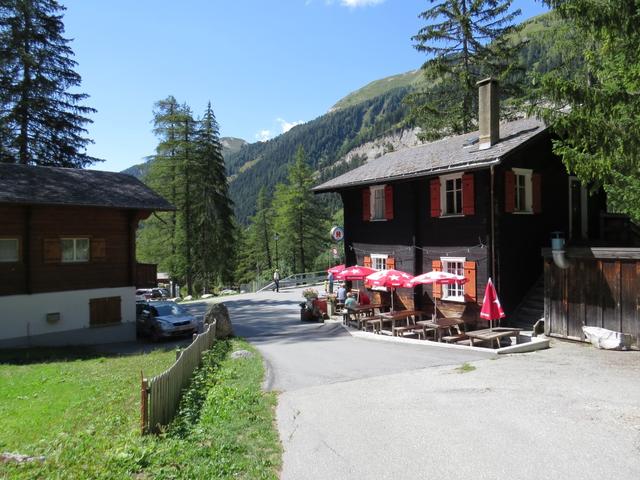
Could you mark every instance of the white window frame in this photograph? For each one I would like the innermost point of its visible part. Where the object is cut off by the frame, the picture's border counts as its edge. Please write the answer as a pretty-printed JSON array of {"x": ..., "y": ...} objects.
[
  {"x": 528, "y": 190},
  {"x": 372, "y": 192},
  {"x": 443, "y": 195},
  {"x": 379, "y": 257},
  {"x": 458, "y": 295},
  {"x": 75, "y": 250},
  {"x": 16, "y": 258}
]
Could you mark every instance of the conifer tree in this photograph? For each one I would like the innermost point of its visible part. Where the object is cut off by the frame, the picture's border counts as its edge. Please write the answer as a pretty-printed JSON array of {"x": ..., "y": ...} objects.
[
  {"x": 41, "y": 120},
  {"x": 467, "y": 40},
  {"x": 301, "y": 222},
  {"x": 212, "y": 207},
  {"x": 596, "y": 114}
]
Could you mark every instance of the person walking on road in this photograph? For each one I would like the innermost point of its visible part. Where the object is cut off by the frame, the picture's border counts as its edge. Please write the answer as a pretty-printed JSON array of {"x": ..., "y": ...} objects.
[{"x": 276, "y": 280}]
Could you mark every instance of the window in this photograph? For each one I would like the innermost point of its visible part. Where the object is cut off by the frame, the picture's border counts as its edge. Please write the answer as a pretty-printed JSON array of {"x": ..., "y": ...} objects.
[
  {"x": 75, "y": 250},
  {"x": 523, "y": 201},
  {"x": 379, "y": 262},
  {"x": 9, "y": 250},
  {"x": 453, "y": 265},
  {"x": 377, "y": 202},
  {"x": 451, "y": 193}
]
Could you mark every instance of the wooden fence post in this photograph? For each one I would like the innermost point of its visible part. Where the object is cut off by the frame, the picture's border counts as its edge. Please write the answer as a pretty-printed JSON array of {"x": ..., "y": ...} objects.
[{"x": 144, "y": 404}]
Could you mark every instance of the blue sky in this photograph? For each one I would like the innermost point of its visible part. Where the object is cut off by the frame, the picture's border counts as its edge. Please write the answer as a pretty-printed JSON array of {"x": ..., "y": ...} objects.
[{"x": 264, "y": 65}]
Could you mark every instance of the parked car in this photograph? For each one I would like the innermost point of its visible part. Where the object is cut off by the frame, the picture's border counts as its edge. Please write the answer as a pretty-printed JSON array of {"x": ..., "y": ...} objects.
[
  {"x": 164, "y": 319},
  {"x": 143, "y": 294}
]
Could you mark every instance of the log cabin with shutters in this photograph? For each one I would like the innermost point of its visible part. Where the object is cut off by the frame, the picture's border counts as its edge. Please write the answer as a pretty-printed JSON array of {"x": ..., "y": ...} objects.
[
  {"x": 68, "y": 269},
  {"x": 482, "y": 204}
]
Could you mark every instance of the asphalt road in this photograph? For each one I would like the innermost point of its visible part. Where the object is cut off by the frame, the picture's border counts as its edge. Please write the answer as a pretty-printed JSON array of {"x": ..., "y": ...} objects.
[
  {"x": 300, "y": 355},
  {"x": 360, "y": 409}
]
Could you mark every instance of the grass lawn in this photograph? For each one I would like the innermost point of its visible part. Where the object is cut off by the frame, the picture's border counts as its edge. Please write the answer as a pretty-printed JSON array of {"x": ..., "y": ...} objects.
[{"x": 82, "y": 415}]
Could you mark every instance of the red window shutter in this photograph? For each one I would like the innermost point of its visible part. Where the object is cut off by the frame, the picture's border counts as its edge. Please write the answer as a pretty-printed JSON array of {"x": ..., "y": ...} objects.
[
  {"x": 536, "y": 186},
  {"x": 468, "y": 196},
  {"x": 509, "y": 191},
  {"x": 436, "y": 266},
  {"x": 435, "y": 198},
  {"x": 388, "y": 202},
  {"x": 470, "y": 289},
  {"x": 366, "y": 204},
  {"x": 366, "y": 261},
  {"x": 391, "y": 263}
]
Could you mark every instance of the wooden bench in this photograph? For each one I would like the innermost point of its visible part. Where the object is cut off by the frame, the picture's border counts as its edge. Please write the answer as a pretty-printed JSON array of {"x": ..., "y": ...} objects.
[
  {"x": 455, "y": 338},
  {"x": 375, "y": 322}
]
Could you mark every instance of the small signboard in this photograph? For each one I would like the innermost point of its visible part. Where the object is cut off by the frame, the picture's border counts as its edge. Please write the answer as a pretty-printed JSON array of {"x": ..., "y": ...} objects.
[
  {"x": 334, "y": 252},
  {"x": 337, "y": 234}
]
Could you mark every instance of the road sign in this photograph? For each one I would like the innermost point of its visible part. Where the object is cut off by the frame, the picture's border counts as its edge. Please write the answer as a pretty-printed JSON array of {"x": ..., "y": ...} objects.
[{"x": 337, "y": 234}]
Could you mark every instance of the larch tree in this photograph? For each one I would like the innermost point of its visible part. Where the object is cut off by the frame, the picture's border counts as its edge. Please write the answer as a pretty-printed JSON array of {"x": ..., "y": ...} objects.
[
  {"x": 301, "y": 221},
  {"x": 596, "y": 114},
  {"x": 42, "y": 121},
  {"x": 466, "y": 41}
]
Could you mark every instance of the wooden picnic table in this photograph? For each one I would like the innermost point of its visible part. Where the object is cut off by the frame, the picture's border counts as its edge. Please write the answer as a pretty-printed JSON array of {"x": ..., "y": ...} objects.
[
  {"x": 399, "y": 316},
  {"x": 491, "y": 334},
  {"x": 441, "y": 324}
]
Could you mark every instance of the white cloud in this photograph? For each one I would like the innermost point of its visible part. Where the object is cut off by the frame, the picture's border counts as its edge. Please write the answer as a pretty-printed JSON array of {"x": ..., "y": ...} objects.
[
  {"x": 286, "y": 126},
  {"x": 359, "y": 3},
  {"x": 263, "y": 135}
]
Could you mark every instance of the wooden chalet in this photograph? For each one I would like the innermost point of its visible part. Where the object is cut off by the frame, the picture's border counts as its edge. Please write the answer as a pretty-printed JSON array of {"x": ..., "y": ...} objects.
[
  {"x": 68, "y": 269},
  {"x": 482, "y": 204}
]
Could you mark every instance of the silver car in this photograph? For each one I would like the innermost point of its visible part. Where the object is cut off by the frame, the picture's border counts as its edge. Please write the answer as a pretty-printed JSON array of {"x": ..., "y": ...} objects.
[{"x": 163, "y": 319}]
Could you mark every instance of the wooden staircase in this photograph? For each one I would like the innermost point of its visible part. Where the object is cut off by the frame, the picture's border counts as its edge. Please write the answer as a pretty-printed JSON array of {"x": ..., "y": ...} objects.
[{"x": 531, "y": 309}]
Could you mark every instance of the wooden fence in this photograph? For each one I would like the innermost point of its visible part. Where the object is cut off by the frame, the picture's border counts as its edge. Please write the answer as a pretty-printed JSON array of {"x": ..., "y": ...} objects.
[
  {"x": 160, "y": 395},
  {"x": 601, "y": 288}
]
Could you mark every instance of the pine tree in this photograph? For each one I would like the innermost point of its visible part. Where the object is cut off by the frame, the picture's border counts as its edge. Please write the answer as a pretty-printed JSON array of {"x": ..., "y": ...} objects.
[
  {"x": 41, "y": 121},
  {"x": 468, "y": 40},
  {"x": 596, "y": 114}
]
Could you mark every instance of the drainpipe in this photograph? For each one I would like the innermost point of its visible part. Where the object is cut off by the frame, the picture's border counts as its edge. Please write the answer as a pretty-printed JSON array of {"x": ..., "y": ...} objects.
[
  {"x": 557, "y": 250},
  {"x": 493, "y": 225}
]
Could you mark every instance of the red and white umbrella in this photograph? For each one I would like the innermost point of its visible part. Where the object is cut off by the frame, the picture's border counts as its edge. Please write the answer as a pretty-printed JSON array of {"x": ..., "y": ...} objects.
[
  {"x": 439, "y": 278},
  {"x": 337, "y": 269},
  {"x": 491, "y": 308},
  {"x": 391, "y": 279},
  {"x": 355, "y": 273}
]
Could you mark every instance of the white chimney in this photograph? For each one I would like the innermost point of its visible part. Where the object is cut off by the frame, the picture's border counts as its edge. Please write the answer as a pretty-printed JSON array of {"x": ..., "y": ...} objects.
[{"x": 488, "y": 113}]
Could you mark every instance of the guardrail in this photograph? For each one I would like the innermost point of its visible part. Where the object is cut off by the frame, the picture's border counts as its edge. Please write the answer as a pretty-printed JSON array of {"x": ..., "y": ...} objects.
[
  {"x": 160, "y": 395},
  {"x": 298, "y": 279}
]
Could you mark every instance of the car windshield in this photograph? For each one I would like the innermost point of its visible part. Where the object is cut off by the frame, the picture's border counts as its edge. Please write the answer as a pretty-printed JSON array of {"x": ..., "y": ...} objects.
[{"x": 165, "y": 310}]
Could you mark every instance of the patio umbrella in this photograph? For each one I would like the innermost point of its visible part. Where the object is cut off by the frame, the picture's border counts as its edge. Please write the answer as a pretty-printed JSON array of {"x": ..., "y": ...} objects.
[
  {"x": 355, "y": 273},
  {"x": 391, "y": 279},
  {"x": 439, "y": 278},
  {"x": 491, "y": 308},
  {"x": 337, "y": 269}
]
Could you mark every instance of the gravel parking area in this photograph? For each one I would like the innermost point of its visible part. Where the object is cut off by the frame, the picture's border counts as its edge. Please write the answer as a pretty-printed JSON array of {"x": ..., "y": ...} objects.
[{"x": 568, "y": 412}]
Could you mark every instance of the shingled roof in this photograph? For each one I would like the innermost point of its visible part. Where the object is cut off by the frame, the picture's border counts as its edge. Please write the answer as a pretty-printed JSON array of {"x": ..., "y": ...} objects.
[
  {"x": 449, "y": 154},
  {"x": 28, "y": 185}
]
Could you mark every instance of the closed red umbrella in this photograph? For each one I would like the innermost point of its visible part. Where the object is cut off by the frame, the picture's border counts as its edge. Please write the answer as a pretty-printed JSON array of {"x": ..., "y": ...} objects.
[
  {"x": 491, "y": 308},
  {"x": 337, "y": 269},
  {"x": 355, "y": 273},
  {"x": 391, "y": 279}
]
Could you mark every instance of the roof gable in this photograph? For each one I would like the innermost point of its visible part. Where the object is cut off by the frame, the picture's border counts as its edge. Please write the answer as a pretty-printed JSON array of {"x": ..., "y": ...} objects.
[
  {"x": 29, "y": 185},
  {"x": 451, "y": 153}
]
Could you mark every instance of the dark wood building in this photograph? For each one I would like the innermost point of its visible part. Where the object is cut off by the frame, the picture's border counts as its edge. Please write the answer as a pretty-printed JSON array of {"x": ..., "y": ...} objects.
[
  {"x": 482, "y": 204},
  {"x": 68, "y": 267}
]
